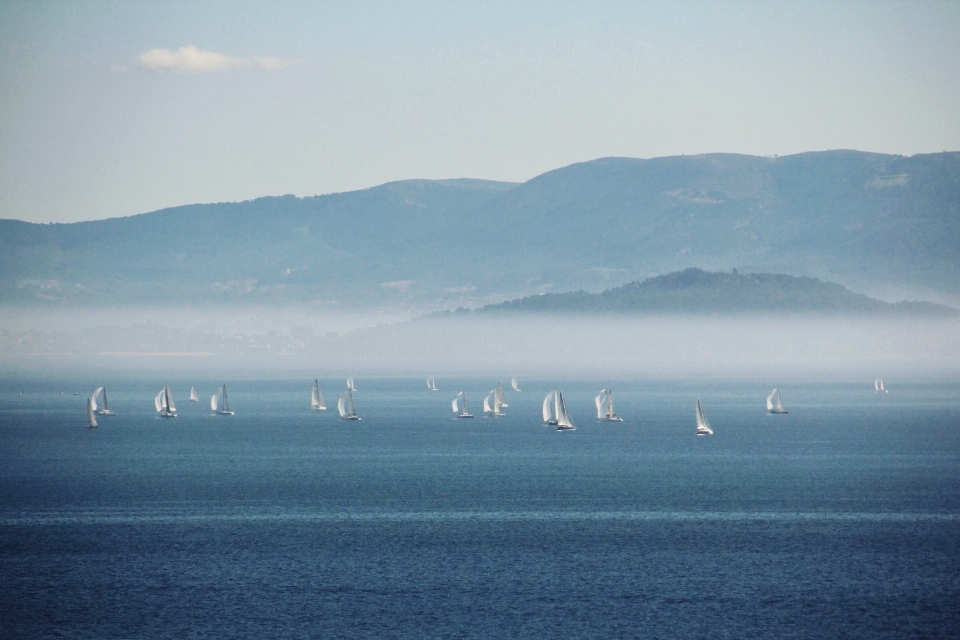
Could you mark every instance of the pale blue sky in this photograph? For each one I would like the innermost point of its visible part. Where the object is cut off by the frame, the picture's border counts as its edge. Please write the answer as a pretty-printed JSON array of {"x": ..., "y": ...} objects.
[{"x": 311, "y": 98}]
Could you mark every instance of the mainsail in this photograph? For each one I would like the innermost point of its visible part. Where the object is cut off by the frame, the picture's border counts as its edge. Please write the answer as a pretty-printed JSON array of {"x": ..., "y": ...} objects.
[
  {"x": 91, "y": 419},
  {"x": 563, "y": 418},
  {"x": 350, "y": 386},
  {"x": 513, "y": 383},
  {"x": 703, "y": 425},
  {"x": 193, "y": 395},
  {"x": 346, "y": 408},
  {"x": 316, "y": 398}
]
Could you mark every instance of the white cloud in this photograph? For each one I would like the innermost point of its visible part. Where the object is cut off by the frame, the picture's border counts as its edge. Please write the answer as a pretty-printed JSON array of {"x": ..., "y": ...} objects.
[{"x": 190, "y": 59}]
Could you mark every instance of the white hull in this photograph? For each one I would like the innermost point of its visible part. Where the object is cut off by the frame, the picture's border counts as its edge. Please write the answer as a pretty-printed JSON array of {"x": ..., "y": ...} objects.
[
  {"x": 104, "y": 412},
  {"x": 612, "y": 419},
  {"x": 357, "y": 418},
  {"x": 465, "y": 415},
  {"x": 561, "y": 427},
  {"x": 167, "y": 414}
]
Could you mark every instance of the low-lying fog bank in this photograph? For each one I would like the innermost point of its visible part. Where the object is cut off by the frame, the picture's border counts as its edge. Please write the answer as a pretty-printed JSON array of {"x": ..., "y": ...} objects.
[{"x": 277, "y": 341}]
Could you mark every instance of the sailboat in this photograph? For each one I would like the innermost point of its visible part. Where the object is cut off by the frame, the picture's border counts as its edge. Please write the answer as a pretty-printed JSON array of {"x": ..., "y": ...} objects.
[
  {"x": 431, "y": 384},
  {"x": 350, "y": 386},
  {"x": 193, "y": 395},
  {"x": 513, "y": 383},
  {"x": 555, "y": 411},
  {"x": 460, "y": 406},
  {"x": 703, "y": 425},
  {"x": 219, "y": 402},
  {"x": 346, "y": 408},
  {"x": 164, "y": 403},
  {"x": 316, "y": 398},
  {"x": 496, "y": 398},
  {"x": 878, "y": 386},
  {"x": 91, "y": 419},
  {"x": 773, "y": 402},
  {"x": 604, "y": 402},
  {"x": 104, "y": 410}
]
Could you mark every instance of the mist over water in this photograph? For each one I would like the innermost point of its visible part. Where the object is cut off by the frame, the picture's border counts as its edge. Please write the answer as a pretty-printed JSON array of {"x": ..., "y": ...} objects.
[{"x": 330, "y": 343}]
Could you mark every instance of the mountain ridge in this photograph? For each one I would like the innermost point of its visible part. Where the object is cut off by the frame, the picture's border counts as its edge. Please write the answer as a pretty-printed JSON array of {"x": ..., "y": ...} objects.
[
  {"x": 883, "y": 224},
  {"x": 695, "y": 291}
]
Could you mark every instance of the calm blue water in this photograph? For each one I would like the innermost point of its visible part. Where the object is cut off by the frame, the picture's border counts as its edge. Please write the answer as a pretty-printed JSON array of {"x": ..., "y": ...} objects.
[{"x": 841, "y": 519}]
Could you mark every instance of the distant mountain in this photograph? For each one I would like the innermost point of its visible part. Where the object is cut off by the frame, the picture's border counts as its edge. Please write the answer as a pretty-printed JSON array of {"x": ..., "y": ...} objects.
[
  {"x": 875, "y": 223},
  {"x": 697, "y": 291}
]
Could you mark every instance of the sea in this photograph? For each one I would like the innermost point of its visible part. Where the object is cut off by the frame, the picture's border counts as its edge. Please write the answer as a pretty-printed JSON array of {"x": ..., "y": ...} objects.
[{"x": 840, "y": 519}]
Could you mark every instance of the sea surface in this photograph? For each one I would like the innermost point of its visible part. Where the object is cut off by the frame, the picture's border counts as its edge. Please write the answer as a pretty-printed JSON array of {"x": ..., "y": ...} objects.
[{"x": 838, "y": 520}]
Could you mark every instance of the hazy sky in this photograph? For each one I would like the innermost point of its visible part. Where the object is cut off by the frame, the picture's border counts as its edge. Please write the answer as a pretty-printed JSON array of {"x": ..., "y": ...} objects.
[{"x": 110, "y": 109}]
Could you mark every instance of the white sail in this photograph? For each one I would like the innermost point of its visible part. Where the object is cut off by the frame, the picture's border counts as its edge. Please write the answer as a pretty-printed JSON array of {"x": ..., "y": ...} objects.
[
  {"x": 513, "y": 383},
  {"x": 193, "y": 395},
  {"x": 456, "y": 408},
  {"x": 431, "y": 384},
  {"x": 158, "y": 401},
  {"x": 93, "y": 398},
  {"x": 548, "y": 415},
  {"x": 703, "y": 425},
  {"x": 770, "y": 399},
  {"x": 601, "y": 401},
  {"x": 500, "y": 402},
  {"x": 220, "y": 402},
  {"x": 91, "y": 419},
  {"x": 564, "y": 423},
  {"x": 168, "y": 400},
  {"x": 346, "y": 408},
  {"x": 486, "y": 402},
  {"x": 779, "y": 406},
  {"x": 350, "y": 384},
  {"x": 316, "y": 398},
  {"x": 878, "y": 385},
  {"x": 105, "y": 410}
]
